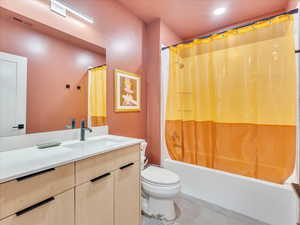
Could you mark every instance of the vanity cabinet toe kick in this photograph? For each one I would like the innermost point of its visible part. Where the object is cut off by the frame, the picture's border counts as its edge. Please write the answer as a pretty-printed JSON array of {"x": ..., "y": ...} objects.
[{"x": 74, "y": 194}]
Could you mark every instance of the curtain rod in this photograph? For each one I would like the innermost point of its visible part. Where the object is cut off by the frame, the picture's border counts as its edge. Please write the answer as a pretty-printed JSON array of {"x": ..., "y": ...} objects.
[
  {"x": 294, "y": 11},
  {"x": 96, "y": 67}
]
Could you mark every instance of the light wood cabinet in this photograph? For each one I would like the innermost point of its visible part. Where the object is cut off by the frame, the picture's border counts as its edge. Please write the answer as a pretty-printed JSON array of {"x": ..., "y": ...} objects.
[
  {"x": 112, "y": 199},
  {"x": 94, "y": 201},
  {"x": 90, "y": 168},
  {"x": 23, "y": 192},
  {"x": 126, "y": 155},
  {"x": 55, "y": 211},
  {"x": 127, "y": 195},
  {"x": 101, "y": 190}
]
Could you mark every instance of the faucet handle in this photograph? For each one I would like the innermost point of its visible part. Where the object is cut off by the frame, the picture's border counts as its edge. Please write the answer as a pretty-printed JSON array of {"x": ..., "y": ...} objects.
[{"x": 82, "y": 124}]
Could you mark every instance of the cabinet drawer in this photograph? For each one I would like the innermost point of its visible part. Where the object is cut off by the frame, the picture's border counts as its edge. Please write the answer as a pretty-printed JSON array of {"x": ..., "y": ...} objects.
[
  {"x": 21, "y": 193},
  {"x": 58, "y": 210},
  {"x": 90, "y": 168},
  {"x": 126, "y": 155},
  {"x": 94, "y": 201}
]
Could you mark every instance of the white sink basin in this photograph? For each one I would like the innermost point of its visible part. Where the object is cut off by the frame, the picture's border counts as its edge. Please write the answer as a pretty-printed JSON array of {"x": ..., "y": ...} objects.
[{"x": 95, "y": 144}]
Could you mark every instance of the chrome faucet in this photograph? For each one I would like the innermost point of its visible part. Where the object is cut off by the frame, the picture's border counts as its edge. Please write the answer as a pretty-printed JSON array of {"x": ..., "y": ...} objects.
[{"x": 83, "y": 129}]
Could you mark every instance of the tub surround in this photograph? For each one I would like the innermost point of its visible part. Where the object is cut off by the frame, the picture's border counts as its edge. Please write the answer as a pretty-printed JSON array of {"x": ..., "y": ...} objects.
[{"x": 22, "y": 162}]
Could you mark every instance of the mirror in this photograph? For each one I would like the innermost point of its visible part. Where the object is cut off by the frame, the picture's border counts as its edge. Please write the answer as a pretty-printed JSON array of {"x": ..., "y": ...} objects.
[{"x": 44, "y": 81}]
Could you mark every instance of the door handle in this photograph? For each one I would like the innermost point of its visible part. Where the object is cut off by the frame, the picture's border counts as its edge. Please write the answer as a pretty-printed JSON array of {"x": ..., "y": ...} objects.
[
  {"x": 128, "y": 165},
  {"x": 20, "y": 213},
  {"x": 100, "y": 177},
  {"x": 19, "y": 126},
  {"x": 34, "y": 174}
]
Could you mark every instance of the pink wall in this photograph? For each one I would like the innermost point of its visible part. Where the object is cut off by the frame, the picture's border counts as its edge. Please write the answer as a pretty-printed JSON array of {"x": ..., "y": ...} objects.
[
  {"x": 152, "y": 66},
  {"x": 52, "y": 63},
  {"x": 157, "y": 33},
  {"x": 167, "y": 36},
  {"x": 115, "y": 29},
  {"x": 292, "y": 4}
]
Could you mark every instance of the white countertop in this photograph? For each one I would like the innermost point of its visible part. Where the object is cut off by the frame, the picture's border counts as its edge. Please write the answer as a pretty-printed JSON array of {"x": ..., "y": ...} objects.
[{"x": 21, "y": 162}]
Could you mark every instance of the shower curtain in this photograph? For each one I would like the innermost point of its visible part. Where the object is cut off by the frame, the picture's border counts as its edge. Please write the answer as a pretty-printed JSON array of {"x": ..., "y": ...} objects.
[
  {"x": 231, "y": 101},
  {"x": 97, "y": 96}
]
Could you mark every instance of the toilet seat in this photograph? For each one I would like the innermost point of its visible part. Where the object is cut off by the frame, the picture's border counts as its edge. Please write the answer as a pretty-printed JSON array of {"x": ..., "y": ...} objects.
[{"x": 158, "y": 176}]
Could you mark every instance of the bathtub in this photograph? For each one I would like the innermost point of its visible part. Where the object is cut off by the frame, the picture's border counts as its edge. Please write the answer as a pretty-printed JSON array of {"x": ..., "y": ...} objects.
[{"x": 271, "y": 203}]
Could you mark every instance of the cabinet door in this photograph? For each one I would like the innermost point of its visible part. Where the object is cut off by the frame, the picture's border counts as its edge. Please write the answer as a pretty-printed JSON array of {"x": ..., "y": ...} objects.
[
  {"x": 94, "y": 201},
  {"x": 57, "y": 210},
  {"x": 127, "y": 195}
]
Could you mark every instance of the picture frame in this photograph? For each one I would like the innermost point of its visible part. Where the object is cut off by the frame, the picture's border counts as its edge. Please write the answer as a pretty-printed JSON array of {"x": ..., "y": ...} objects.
[{"x": 127, "y": 91}]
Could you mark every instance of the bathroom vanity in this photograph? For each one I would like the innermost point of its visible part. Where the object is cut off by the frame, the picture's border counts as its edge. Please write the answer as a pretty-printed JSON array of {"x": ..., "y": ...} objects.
[{"x": 82, "y": 183}]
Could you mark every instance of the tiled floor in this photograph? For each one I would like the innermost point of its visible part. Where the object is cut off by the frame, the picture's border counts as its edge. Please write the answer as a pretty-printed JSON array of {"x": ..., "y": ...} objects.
[{"x": 192, "y": 211}]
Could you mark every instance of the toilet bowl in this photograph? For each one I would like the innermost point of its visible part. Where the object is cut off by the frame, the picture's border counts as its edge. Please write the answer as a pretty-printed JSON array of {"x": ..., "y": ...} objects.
[{"x": 160, "y": 187}]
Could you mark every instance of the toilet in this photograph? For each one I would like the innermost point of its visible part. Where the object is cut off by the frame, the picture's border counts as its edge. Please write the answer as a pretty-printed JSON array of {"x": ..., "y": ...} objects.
[{"x": 160, "y": 187}]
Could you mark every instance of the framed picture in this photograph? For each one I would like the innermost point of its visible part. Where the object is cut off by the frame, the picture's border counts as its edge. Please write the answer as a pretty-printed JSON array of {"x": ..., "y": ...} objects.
[{"x": 127, "y": 91}]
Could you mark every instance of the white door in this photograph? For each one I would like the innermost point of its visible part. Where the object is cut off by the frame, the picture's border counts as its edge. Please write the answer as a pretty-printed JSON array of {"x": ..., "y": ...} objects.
[{"x": 13, "y": 80}]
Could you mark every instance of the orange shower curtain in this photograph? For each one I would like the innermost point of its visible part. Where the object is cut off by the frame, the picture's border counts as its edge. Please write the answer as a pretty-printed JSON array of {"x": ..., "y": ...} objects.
[{"x": 232, "y": 101}]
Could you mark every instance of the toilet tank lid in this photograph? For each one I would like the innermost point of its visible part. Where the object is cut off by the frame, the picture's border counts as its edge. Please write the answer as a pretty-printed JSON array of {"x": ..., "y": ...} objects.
[{"x": 158, "y": 175}]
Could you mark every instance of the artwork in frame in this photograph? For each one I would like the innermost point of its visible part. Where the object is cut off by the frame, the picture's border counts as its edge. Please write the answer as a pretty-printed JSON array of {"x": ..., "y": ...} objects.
[{"x": 127, "y": 91}]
